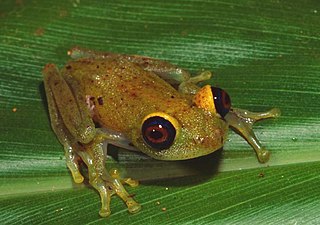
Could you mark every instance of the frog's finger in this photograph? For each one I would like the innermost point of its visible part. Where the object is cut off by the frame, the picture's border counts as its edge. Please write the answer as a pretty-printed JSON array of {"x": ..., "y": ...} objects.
[
  {"x": 115, "y": 173},
  {"x": 72, "y": 163},
  {"x": 106, "y": 184},
  {"x": 252, "y": 117},
  {"x": 81, "y": 128}
]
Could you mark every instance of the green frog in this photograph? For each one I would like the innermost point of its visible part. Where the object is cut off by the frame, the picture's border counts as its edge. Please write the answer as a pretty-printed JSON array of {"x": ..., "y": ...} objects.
[{"x": 138, "y": 103}]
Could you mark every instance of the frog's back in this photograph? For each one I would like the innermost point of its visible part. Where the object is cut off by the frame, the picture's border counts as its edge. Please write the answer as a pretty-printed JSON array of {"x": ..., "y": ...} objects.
[{"x": 121, "y": 92}]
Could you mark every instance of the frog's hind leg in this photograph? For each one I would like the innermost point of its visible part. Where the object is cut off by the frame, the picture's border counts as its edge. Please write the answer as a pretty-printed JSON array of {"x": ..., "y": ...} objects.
[
  {"x": 58, "y": 126},
  {"x": 106, "y": 184},
  {"x": 172, "y": 74},
  {"x": 243, "y": 120}
]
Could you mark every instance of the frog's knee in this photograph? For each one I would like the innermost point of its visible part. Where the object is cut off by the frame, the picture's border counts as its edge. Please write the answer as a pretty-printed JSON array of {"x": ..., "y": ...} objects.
[{"x": 49, "y": 70}]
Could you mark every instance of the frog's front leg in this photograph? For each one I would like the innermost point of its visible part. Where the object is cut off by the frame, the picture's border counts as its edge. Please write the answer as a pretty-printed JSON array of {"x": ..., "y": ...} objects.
[
  {"x": 77, "y": 133},
  {"x": 106, "y": 184},
  {"x": 243, "y": 120}
]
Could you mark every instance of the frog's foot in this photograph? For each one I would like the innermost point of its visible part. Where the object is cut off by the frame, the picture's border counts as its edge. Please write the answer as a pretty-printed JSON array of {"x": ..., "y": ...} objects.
[
  {"x": 190, "y": 86},
  {"x": 72, "y": 163},
  {"x": 203, "y": 76},
  {"x": 242, "y": 121},
  {"x": 107, "y": 184},
  {"x": 129, "y": 181},
  {"x": 107, "y": 187}
]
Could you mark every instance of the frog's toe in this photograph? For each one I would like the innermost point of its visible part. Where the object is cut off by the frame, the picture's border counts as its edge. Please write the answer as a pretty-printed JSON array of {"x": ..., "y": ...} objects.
[
  {"x": 129, "y": 181},
  {"x": 104, "y": 212},
  {"x": 263, "y": 155},
  {"x": 74, "y": 169},
  {"x": 77, "y": 177},
  {"x": 117, "y": 188},
  {"x": 133, "y": 206}
]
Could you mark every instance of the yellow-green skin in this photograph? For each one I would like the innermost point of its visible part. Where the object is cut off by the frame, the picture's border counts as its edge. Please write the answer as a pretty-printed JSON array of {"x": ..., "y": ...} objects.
[
  {"x": 106, "y": 97},
  {"x": 121, "y": 94}
]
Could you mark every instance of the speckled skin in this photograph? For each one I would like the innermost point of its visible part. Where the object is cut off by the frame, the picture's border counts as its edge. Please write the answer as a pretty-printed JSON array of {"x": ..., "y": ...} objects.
[
  {"x": 122, "y": 94},
  {"x": 118, "y": 92}
]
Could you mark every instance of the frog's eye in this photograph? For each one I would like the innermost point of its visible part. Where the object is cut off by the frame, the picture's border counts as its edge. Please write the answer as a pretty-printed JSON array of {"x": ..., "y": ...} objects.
[
  {"x": 158, "y": 132},
  {"x": 213, "y": 99},
  {"x": 221, "y": 100}
]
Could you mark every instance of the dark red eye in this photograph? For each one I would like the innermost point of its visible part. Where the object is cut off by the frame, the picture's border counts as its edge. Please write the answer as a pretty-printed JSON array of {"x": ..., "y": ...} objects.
[
  {"x": 222, "y": 101},
  {"x": 158, "y": 132}
]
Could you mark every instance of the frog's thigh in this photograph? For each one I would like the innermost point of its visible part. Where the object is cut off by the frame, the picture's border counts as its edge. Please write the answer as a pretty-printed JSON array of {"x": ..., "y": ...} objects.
[
  {"x": 75, "y": 119},
  {"x": 78, "y": 53},
  {"x": 167, "y": 71},
  {"x": 172, "y": 74},
  {"x": 62, "y": 133}
]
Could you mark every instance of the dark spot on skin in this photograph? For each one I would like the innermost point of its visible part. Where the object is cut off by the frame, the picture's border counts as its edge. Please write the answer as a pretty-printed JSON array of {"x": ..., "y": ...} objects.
[
  {"x": 68, "y": 67},
  {"x": 131, "y": 195},
  {"x": 100, "y": 101},
  {"x": 145, "y": 64},
  {"x": 98, "y": 66},
  {"x": 172, "y": 96},
  {"x": 133, "y": 95}
]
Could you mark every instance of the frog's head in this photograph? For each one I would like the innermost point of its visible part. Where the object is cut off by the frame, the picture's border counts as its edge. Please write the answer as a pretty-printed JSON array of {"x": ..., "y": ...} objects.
[{"x": 184, "y": 133}]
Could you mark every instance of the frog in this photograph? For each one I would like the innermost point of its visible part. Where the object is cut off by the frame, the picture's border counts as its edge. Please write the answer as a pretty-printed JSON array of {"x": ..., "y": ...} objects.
[{"x": 138, "y": 103}]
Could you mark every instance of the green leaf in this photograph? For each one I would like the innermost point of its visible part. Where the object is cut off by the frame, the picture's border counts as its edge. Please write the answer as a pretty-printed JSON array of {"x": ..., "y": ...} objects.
[{"x": 265, "y": 54}]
